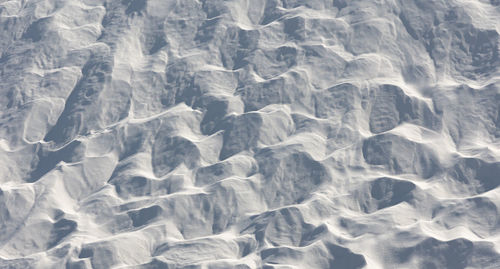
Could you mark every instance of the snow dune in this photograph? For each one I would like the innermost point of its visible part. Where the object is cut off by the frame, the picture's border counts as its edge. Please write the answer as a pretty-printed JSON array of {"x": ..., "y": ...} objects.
[{"x": 249, "y": 134}]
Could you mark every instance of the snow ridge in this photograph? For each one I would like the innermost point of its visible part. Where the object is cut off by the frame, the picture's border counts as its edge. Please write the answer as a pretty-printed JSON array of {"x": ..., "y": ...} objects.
[{"x": 249, "y": 134}]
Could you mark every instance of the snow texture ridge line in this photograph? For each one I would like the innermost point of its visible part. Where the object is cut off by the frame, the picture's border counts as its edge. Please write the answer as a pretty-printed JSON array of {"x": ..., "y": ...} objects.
[{"x": 249, "y": 134}]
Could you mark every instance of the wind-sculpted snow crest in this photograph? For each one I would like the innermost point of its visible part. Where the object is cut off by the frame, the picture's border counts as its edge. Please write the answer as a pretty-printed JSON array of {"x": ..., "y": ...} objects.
[{"x": 250, "y": 134}]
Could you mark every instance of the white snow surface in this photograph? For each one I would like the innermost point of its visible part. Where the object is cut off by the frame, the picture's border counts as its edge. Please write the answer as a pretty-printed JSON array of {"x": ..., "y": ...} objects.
[{"x": 249, "y": 134}]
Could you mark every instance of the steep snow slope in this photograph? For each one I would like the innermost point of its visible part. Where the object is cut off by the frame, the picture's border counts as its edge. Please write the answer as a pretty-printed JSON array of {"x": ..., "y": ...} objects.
[{"x": 249, "y": 134}]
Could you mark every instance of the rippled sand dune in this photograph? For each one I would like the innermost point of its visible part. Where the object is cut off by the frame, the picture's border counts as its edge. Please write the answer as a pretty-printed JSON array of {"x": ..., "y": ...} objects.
[{"x": 249, "y": 134}]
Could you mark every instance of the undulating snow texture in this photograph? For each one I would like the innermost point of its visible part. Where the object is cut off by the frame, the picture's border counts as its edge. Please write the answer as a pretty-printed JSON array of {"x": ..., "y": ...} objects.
[{"x": 249, "y": 134}]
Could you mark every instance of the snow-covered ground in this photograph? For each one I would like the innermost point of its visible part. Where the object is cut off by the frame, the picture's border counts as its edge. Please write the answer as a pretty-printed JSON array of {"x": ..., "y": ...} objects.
[{"x": 249, "y": 134}]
